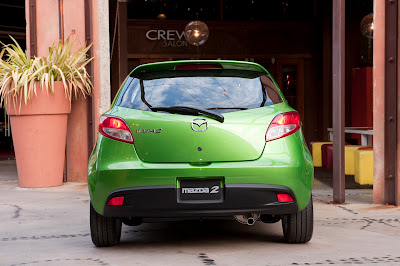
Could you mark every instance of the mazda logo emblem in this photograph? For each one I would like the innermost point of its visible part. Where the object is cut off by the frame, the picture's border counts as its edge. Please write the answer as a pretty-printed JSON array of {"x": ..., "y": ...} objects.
[{"x": 199, "y": 122}]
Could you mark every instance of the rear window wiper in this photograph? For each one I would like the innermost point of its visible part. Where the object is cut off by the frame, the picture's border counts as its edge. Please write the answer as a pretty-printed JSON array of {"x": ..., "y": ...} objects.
[{"x": 189, "y": 110}]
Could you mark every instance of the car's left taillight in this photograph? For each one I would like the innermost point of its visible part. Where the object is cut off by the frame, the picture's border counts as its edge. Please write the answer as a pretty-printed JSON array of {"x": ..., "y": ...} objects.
[
  {"x": 115, "y": 128},
  {"x": 283, "y": 125}
]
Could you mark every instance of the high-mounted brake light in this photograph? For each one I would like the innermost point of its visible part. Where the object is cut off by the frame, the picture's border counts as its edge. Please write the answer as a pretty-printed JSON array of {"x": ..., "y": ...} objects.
[
  {"x": 197, "y": 66},
  {"x": 115, "y": 128},
  {"x": 283, "y": 125}
]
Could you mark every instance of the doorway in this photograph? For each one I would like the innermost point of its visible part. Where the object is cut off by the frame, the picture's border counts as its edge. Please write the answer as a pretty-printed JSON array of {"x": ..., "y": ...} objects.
[
  {"x": 12, "y": 23},
  {"x": 290, "y": 79}
]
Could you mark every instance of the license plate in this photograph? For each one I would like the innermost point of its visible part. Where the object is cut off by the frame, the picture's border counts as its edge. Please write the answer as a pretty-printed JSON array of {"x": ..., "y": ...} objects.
[{"x": 201, "y": 190}]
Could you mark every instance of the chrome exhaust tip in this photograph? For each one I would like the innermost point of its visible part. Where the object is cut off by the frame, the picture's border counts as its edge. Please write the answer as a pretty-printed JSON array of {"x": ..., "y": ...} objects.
[{"x": 249, "y": 219}]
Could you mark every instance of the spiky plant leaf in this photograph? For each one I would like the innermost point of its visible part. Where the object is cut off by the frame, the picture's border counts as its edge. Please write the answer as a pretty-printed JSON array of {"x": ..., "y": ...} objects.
[{"x": 19, "y": 73}]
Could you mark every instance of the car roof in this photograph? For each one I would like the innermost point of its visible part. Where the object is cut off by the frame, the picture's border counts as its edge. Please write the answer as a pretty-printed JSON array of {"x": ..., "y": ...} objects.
[{"x": 171, "y": 65}]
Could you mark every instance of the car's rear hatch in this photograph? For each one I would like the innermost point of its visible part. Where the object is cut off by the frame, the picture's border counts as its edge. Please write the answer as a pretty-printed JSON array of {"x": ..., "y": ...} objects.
[
  {"x": 168, "y": 138},
  {"x": 242, "y": 94}
]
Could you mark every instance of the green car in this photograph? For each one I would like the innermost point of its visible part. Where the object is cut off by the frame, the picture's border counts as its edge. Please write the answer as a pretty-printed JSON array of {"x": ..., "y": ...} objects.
[{"x": 200, "y": 139}]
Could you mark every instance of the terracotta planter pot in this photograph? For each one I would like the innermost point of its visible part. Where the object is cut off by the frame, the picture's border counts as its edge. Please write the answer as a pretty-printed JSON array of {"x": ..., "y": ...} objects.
[{"x": 39, "y": 132}]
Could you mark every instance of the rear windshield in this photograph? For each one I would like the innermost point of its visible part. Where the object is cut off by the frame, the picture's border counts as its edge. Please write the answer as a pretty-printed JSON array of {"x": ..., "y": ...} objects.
[{"x": 221, "y": 91}]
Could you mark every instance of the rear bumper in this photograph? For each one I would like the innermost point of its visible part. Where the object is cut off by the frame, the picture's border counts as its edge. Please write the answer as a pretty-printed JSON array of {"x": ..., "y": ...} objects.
[
  {"x": 162, "y": 201},
  {"x": 285, "y": 163}
]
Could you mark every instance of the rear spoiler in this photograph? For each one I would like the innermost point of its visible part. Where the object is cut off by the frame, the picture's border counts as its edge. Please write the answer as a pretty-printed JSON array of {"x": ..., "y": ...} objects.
[{"x": 197, "y": 64}]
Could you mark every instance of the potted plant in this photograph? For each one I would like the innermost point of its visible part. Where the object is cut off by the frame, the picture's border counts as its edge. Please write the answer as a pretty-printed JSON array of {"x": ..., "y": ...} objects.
[{"x": 37, "y": 95}]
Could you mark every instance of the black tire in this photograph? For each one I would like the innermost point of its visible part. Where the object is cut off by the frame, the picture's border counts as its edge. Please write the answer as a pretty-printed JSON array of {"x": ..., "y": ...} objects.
[
  {"x": 105, "y": 231},
  {"x": 298, "y": 227}
]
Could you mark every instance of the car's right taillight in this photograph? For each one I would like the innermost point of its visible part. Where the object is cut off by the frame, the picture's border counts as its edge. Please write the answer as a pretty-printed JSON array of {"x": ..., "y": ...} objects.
[
  {"x": 115, "y": 128},
  {"x": 283, "y": 125}
]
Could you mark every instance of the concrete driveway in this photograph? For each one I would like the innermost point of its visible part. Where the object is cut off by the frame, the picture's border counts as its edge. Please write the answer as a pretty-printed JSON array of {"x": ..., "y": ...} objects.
[{"x": 51, "y": 227}]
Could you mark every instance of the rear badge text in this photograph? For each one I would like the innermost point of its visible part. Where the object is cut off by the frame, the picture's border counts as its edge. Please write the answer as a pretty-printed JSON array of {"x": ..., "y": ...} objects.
[
  {"x": 200, "y": 190},
  {"x": 148, "y": 130}
]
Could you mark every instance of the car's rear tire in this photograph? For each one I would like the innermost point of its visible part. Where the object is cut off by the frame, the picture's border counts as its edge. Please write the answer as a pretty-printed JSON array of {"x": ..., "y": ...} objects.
[
  {"x": 298, "y": 227},
  {"x": 105, "y": 231}
]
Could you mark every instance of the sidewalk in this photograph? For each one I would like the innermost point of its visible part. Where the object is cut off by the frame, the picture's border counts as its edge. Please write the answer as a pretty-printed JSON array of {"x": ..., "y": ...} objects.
[{"x": 50, "y": 226}]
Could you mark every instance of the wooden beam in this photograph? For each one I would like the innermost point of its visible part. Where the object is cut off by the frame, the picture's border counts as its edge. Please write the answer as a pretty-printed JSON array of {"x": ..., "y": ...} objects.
[
  {"x": 122, "y": 40},
  {"x": 32, "y": 28},
  {"x": 338, "y": 98},
  {"x": 61, "y": 19},
  {"x": 89, "y": 68}
]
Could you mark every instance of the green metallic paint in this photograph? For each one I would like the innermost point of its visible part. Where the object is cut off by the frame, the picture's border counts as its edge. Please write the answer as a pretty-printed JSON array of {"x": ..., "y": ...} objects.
[
  {"x": 283, "y": 162},
  {"x": 238, "y": 138}
]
